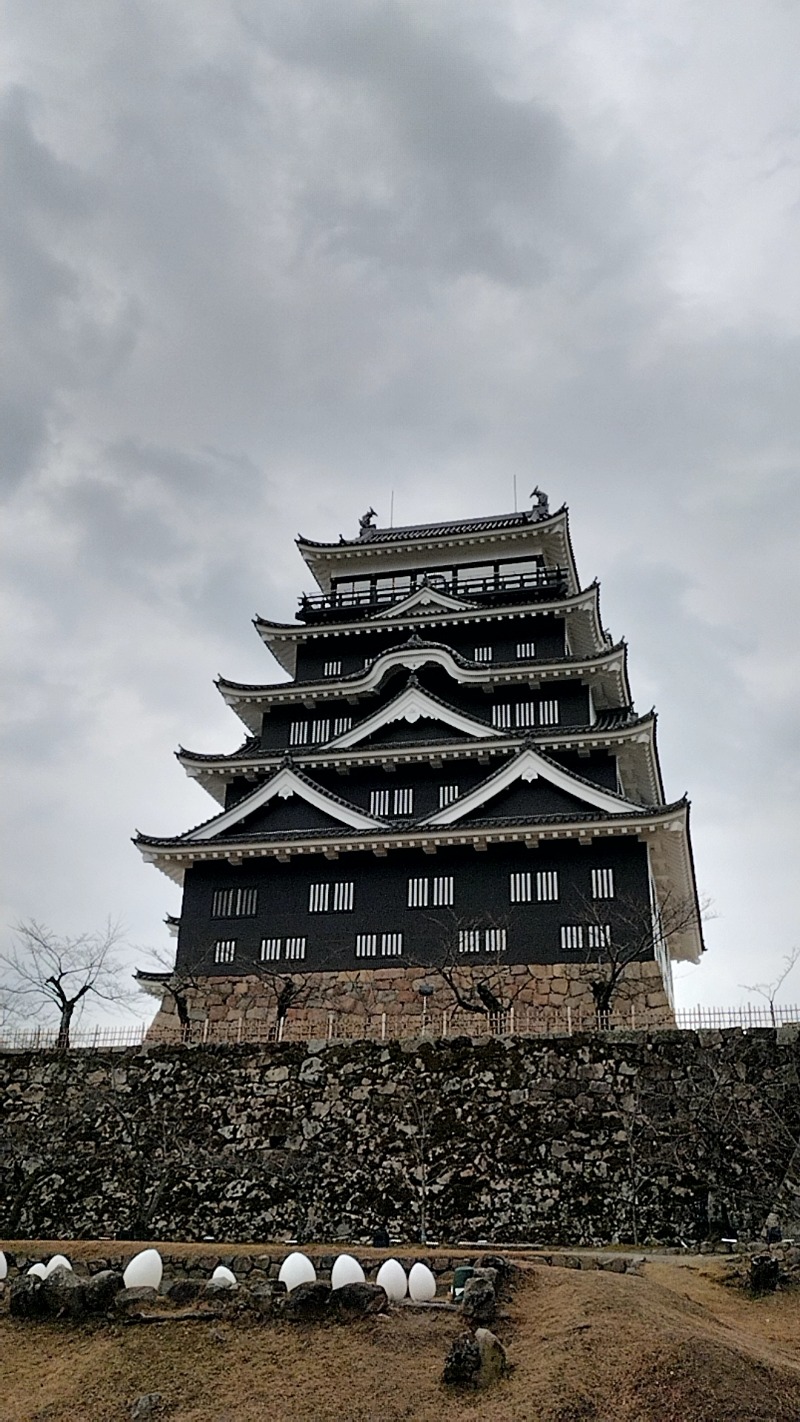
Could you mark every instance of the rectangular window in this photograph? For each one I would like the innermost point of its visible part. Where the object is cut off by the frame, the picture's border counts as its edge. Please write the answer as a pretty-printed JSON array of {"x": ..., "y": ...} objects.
[
  {"x": 295, "y": 949},
  {"x": 270, "y": 950},
  {"x": 224, "y": 950},
  {"x": 447, "y": 795},
  {"x": 526, "y": 713},
  {"x": 437, "y": 892},
  {"x": 379, "y": 802},
  {"x": 320, "y": 730},
  {"x": 548, "y": 713},
  {"x": 599, "y": 935},
  {"x": 442, "y": 896},
  {"x": 333, "y": 898},
  {"x": 234, "y": 903},
  {"x": 403, "y": 802},
  {"x": 342, "y": 724},
  {"x": 571, "y": 938},
  {"x": 526, "y": 651},
  {"x": 520, "y": 888},
  {"x": 418, "y": 893},
  {"x": 547, "y": 886},
  {"x": 343, "y": 897},
  {"x": 298, "y": 733},
  {"x": 332, "y": 668},
  {"x": 602, "y": 883},
  {"x": 318, "y": 895},
  {"x": 469, "y": 940},
  {"x": 391, "y": 945},
  {"x": 483, "y": 654},
  {"x": 495, "y": 940},
  {"x": 501, "y": 716},
  {"x": 366, "y": 945}
]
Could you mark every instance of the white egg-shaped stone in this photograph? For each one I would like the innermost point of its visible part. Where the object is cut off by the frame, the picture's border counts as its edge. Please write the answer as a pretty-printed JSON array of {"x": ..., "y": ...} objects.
[
  {"x": 38, "y": 1270},
  {"x": 421, "y": 1284},
  {"x": 58, "y": 1261},
  {"x": 144, "y": 1271},
  {"x": 346, "y": 1270},
  {"x": 392, "y": 1279},
  {"x": 3, "y": 1265},
  {"x": 223, "y": 1275},
  {"x": 296, "y": 1269}
]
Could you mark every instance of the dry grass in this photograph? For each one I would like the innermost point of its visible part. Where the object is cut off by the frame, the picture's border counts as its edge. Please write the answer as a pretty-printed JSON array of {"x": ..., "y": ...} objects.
[{"x": 671, "y": 1346}]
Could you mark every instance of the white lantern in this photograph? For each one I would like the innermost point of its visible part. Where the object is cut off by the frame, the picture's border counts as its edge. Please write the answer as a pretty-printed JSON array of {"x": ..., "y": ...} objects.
[
  {"x": 421, "y": 1284},
  {"x": 144, "y": 1270},
  {"x": 223, "y": 1275},
  {"x": 58, "y": 1261},
  {"x": 296, "y": 1269},
  {"x": 3, "y": 1265},
  {"x": 346, "y": 1270},
  {"x": 392, "y": 1279},
  {"x": 38, "y": 1271}
]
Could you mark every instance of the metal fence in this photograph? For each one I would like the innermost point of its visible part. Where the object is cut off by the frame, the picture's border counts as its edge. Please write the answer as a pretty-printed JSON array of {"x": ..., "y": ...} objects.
[{"x": 335, "y": 1026}]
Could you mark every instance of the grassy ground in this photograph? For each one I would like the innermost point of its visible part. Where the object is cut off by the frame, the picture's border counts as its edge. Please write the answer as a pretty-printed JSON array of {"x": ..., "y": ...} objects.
[{"x": 672, "y": 1345}]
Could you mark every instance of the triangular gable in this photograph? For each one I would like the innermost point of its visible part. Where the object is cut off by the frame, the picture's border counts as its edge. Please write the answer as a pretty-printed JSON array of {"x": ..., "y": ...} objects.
[
  {"x": 287, "y": 782},
  {"x": 423, "y": 599},
  {"x": 529, "y": 765},
  {"x": 411, "y": 705}
]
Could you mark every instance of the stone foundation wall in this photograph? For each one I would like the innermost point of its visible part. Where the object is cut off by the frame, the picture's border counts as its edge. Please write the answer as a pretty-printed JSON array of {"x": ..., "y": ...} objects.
[{"x": 250, "y": 1002}]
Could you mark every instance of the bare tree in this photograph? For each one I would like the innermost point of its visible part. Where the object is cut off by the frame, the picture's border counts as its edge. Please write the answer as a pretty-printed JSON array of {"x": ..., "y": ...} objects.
[
  {"x": 770, "y": 990},
  {"x": 625, "y": 930},
  {"x": 478, "y": 983},
  {"x": 44, "y": 971}
]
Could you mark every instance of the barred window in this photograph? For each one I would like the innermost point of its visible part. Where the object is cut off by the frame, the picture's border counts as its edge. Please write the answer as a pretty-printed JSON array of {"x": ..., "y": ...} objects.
[
  {"x": 442, "y": 896},
  {"x": 404, "y": 802},
  {"x": 495, "y": 940},
  {"x": 224, "y": 950},
  {"x": 318, "y": 895},
  {"x": 547, "y": 886},
  {"x": 295, "y": 948},
  {"x": 526, "y": 651},
  {"x": 469, "y": 940},
  {"x": 298, "y": 733},
  {"x": 333, "y": 668},
  {"x": 447, "y": 795},
  {"x": 602, "y": 883},
  {"x": 341, "y": 724},
  {"x": 234, "y": 903},
  {"x": 483, "y": 654},
  {"x": 418, "y": 893},
  {"x": 366, "y": 945},
  {"x": 487, "y": 940},
  {"x": 502, "y": 716},
  {"x": 526, "y": 713},
  {"x": 571, "y": 937},
  {"x": 379, "y": 802},
  {"x": 320, "y": 730},
  {"x": 599, "y": 935},
  {"x": 343, "y": 897},
  {"x": 437, "y": 892},
  {"x": 270, "y": 950},
  {"x": 330, "y": 898},
  {"x": 391, "y": 945},
  {"x": 548, "y": 713},
  {"x": 520, "y": 888}
]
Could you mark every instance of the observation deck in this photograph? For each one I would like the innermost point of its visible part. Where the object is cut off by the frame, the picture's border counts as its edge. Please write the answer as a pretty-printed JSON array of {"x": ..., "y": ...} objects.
[{"x": 361, "y": 597}]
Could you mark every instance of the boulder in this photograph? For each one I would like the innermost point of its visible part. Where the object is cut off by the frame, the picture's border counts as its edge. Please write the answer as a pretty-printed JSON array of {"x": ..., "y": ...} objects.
[
  {"x": 145, "y": 1406},
  {"x": 479, "y": 1302},
  {"x": 307, "y": 1302},
  {"x": 265, "y": 1298},
  {"x": 25, "y": 1297},
  {"x": 102, "y": 1289},
  {"x": 64, "y": 1295},
  {"x": 463, "y": 1362},
  {"x": 357, "y": 1301},
  {"x": 183, "y": 1291},
  {"x": 493, "y": 1363},
  {"x": 129, "y": 1299},
  {"x": 764, "y": 1272}
]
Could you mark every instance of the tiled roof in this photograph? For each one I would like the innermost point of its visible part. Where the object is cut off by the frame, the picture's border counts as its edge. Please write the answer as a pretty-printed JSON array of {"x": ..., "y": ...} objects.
[{"x": 436, "y": 530}]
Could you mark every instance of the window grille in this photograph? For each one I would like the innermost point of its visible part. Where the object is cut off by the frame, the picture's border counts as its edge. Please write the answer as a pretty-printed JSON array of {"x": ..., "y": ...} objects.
[
  {"x": 599, "y": 935},
  {"x": 526, "y": 651},
  {"x": 334, "y": 898},
  {"x": 318, "y": 895},
  {"x": 520, "y": 888},
  {"x": 443, "y": 891},
  {"x": 343, "y": 894},
  {"x": 571, "y": 937},
  {"x": 366, "y": 945},
  {"x": 379, "y": 802},
  {"x": 404, "y": 802},
  {"x": 526, "y": 713},
  {"x": 501, "y": 716},
  {"x": 295, "y": 949},
  {"x": 547, "y": 886},
  {"x": 234, "y": 903},
  {"x": 332, "y": 668},
  {"x": 548, "y": 713},
  {"x": 602, "y": 883},
  {"x": 437, "y": 892},
  {"x": 298, "y": 733},
  {"x": 447, "y": 795},
  {"x": 391, "y": 945},
  {"x": 224, "y": 950},
  {"x": 418, "y": 893},
  {"x": 495, "y": 940},
  {"x": 342, "y": 724},
  {"x": 483, "y": 654},
  {"x": 320, "y": 730},
  {"x": 270, "y": 950},
  {"x": 469, "y": 940}
]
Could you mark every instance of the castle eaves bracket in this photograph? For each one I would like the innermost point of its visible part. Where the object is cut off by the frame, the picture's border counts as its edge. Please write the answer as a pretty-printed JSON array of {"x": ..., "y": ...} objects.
[
  {"x": 283, "y": 785},
  {"x": 412, "y": 705},
  {"x": 529, "y": 765}
]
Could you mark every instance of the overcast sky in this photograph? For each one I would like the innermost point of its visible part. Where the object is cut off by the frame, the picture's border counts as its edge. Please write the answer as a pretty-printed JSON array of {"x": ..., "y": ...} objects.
[{"x": 264, "y": 263}]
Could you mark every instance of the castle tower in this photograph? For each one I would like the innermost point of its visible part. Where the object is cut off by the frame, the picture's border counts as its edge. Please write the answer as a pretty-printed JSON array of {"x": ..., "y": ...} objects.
[{"x": 452, "y": 792}]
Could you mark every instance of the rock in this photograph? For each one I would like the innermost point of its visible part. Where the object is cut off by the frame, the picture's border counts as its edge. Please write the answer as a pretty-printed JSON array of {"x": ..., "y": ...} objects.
[
  {"x": 357, "y": 1301},
  {"x": 64, "y": 1296},
  {"x": 102, "y": 1289},
  {"x": 463, "y": 1362},
  {"x": 25, "y": 1297},
  {"x": 212, "y": 1288},
  {"x": 504, "y": 1273},
  {"x": 764, "y": 1271},
  {"x": 183, "y": 1291},
  {"x": 129, "y": 1299},
  {"x": 145, "y": 1406},
  {"x": 307, "y": 1302},
  {"x": 614, "y": 1266},
  {"x": 265, "y": 1298},
  {"x": 479, "y": 1302},
  {"x": 492, "y": 1355}
]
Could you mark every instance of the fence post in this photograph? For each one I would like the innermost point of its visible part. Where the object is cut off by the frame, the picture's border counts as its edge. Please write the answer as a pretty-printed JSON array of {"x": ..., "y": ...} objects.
[
  {"x": 239, "y": 1027},
  {"x": 569, "y": 1019},
  {"x": 205, "y": 1030},
  {"x": 330, "y": 1026},
  {"x": 383, "y": 1026},
  {"x": 511, "y": 1020}
]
